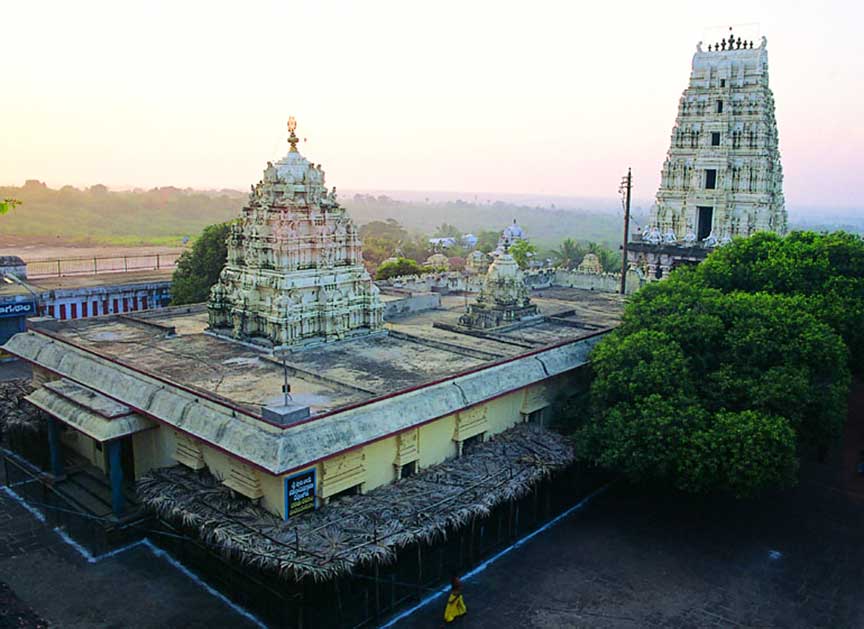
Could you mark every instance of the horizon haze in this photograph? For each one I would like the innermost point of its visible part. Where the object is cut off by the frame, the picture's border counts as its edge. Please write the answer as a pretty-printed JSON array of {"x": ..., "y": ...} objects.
[{"x": 486, "y": 98}]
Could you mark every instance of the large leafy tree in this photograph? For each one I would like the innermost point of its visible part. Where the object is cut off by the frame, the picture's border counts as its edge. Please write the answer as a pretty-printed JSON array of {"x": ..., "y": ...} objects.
[
  {"x": 710, "y": 391},
  {"x": 827, "y": 269},
  {"x": 199, "y": 267}
]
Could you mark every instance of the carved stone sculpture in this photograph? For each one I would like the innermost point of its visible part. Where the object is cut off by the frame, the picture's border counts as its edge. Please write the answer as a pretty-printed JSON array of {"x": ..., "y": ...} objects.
[{"x": 292, "y": 250}]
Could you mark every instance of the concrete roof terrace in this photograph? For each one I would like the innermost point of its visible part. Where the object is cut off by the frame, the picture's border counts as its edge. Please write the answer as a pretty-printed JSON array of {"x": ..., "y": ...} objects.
[
  {"x": 171, "y": 344},
  {"x": 366, "y": 388}
]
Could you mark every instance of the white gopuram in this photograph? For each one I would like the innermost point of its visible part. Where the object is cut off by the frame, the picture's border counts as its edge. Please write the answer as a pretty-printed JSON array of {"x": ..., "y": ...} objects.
[
  {"x": 294, "y": 272},
  {"x": 722, "y": 176}
]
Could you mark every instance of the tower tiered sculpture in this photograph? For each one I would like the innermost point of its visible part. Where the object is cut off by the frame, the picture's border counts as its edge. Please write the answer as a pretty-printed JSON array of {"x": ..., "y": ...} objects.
[
  {"x": 294, "y": 272},
  {"x": 722, "y": 176}
]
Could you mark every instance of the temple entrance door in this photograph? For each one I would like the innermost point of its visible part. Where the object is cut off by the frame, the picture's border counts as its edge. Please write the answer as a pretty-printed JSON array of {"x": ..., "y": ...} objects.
[{"x": 705, "y": 217}]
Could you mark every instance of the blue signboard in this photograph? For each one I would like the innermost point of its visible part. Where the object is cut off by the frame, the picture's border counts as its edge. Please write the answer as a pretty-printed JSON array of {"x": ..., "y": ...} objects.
[
  {"x": 300, "y": 493},
  {"x": 18, "y": 309}
]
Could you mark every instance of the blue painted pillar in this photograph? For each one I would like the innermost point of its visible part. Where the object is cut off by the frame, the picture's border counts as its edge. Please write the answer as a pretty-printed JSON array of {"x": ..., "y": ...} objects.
[
  {"x": 116, "y": 474},
  {"x": 54, "y": 448}
]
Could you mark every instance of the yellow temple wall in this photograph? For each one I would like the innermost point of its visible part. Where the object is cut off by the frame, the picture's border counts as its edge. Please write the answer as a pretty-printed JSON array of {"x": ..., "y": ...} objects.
[
  {"x": 85, "y": 447},
  {"x": 373, "y": 465}
]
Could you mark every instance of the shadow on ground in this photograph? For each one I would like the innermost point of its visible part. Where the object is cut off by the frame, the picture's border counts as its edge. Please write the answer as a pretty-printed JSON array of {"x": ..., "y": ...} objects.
[{"x": 637, "y": 559}]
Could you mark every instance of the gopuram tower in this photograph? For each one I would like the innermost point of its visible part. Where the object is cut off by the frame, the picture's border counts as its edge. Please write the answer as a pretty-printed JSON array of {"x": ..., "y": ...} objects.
[
  {"x": 722, "y": 176},
  {"x": 294, "y": 272}
]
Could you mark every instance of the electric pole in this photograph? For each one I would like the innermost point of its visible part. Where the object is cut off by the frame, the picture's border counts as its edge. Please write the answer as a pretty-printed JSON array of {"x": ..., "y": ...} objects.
[{"x": 626, "y": 187}]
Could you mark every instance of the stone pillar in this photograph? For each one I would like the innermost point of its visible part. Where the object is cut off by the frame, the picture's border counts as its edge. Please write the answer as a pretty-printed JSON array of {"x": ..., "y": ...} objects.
[
  {"x": 116, "y": 475},
  {"x": 55, "y": 448}
]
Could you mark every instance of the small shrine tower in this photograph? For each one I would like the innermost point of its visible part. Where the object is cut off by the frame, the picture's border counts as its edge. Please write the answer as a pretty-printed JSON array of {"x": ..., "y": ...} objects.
[
  {"x": 294, "y": 272},
  {"x": 722, "y": 176},
  {"x": 504, "y": 298}
]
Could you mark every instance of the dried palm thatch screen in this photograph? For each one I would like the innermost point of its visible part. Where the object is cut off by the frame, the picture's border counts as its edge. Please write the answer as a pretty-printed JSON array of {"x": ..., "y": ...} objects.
[
  {"x": 359, "y": 529},
  {"x": 13, "y": 414}
]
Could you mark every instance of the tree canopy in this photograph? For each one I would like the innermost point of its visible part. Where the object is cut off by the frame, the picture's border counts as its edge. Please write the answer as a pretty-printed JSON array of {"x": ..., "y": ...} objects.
[
  {"x": 7, "y": 204},
  {"x": 707, "y": 389},
  {"x": 397, "y": 267},
  {"x": 199, "y": 267},
  {"x": 570, "y": 254},
  {"x": 522, "y": 251},
  {"x": 827, "y": 269}
]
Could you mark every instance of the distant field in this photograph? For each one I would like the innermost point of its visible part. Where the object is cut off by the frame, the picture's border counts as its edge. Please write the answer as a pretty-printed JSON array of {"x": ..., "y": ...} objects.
[
  {"x": 31, "y": 249},
  {"x": 96, "y": 218}
]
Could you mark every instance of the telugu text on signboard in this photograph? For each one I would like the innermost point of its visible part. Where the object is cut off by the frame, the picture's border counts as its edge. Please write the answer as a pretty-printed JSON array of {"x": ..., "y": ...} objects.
[
  {"x": 300, "y": 493},
  {"x": 18, "y": 309}
]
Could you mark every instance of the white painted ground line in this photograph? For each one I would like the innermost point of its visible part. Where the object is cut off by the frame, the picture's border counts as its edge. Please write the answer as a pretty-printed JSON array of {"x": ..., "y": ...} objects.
[
  {"x": 480, "y": 568},
  {"x": 158, "y": 552}
]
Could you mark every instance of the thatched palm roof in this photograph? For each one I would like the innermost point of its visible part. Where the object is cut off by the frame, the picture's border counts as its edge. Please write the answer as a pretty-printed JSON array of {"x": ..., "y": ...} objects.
[
  {"x": 359, "y": 529},
  {"x": 14, "y": 415}
]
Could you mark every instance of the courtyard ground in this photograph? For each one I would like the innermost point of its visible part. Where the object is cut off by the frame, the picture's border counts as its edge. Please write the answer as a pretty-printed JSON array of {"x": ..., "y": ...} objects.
[
  {"x": 636, "y": 559},
  {"x": 44, "y": 582},
  {"x": 630, "y": 558}
]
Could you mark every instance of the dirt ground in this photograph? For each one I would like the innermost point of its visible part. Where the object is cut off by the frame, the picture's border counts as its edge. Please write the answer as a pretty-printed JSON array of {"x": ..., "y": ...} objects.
[
  {"x": 791, "y": 560},
  {"x": 50, "y": 249}
]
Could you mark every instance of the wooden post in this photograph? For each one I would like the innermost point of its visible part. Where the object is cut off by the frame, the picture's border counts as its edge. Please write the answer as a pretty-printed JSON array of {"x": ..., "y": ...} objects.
[{"x": 95, "y": 269}]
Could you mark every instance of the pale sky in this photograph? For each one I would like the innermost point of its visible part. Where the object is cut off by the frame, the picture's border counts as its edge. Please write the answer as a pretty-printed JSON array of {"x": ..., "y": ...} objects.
[{"x": 552, "y": 98}]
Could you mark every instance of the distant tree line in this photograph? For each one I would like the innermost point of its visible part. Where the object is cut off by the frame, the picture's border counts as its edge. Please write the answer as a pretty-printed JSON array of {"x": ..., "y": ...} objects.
[{"x": 156, "y": 216}]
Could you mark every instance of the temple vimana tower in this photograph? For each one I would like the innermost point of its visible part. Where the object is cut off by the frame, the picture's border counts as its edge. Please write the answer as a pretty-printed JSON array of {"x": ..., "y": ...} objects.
[
  {"x": 294, "y": 272},
  {"x": 722, "y": 176}
]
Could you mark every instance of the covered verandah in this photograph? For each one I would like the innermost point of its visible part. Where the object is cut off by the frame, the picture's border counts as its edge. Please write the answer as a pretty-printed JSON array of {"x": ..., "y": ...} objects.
[{"x": 90, "y": 441}]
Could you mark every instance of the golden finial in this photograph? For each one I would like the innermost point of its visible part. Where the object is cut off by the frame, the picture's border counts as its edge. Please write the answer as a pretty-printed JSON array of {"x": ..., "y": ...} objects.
[{"x": 292, "y": 139}]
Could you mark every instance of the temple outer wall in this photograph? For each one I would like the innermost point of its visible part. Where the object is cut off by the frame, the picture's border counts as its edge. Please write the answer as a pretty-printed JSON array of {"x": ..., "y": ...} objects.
[
  {"x": 436, "y": 442},
  {"x": 398, "y": 302},
  {"x": 536, "y": 279}
]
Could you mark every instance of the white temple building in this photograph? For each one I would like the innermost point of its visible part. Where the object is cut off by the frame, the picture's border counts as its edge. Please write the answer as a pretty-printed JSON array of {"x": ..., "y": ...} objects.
[
  {"x": 294, "y": 272},
  {"x": 722, "y": 176}
]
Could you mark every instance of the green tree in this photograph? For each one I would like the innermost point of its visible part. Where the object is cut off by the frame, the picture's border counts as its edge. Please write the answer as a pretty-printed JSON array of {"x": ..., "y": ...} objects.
[
  {"x": 397, "y": 267},
  {"x": 199, "y": 267},
  {"x": 487, "y": 240},
  {"x": 709, "y": 391},
  {"x": 569, "y": 254},
  {"x": 8, "y": 204},
  {"x": 826, "y": 269},
  {"x": 522, "y": 251},
  {"x": 446, "y": 230}
]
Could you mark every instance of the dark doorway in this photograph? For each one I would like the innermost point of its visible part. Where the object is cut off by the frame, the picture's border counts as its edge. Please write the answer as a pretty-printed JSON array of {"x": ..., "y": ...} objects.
[
  {"x": 710, "y": 179},
  {"x": 127, "y": 460},
  {"x": 706, "y": 215}
]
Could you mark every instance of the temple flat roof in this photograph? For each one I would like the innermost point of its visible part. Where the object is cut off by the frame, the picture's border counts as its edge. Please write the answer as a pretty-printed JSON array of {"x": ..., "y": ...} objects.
[
  {"x": 333, "y": 375},
  {"x": 364, "y": 388}
]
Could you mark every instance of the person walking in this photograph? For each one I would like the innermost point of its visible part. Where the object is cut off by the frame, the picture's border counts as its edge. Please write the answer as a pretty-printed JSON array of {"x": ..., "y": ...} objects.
[{"x": 455, "y": 603}]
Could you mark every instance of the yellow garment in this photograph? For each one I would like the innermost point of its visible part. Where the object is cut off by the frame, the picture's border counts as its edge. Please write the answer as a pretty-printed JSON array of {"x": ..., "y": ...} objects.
[{"x": 455, "y": 607}]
